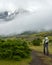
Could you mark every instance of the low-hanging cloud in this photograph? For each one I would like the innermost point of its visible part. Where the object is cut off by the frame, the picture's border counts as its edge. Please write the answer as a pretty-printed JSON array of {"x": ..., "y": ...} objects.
[{"x": 39, "y": 18}]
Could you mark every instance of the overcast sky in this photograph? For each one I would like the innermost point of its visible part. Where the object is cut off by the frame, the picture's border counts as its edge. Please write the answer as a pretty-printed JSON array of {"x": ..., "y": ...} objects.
[{"x": 40, "y": 16}]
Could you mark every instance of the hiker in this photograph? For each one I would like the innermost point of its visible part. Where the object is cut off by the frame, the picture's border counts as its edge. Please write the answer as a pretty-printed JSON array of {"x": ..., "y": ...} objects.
[{"x": 46, "y": 41}]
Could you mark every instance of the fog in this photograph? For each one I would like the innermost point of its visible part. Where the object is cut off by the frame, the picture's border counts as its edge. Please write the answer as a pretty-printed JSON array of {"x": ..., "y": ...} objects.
[{"x": 40, "y": 16}]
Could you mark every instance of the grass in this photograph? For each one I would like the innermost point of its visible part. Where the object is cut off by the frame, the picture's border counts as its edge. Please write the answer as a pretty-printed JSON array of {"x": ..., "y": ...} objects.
[
  {"x": 12, "y": 62},
  {"x": 40, "y": 48}
]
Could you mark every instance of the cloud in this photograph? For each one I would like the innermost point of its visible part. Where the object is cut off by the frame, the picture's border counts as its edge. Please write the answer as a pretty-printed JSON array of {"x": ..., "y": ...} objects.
[{"x": 40, "y": 18}]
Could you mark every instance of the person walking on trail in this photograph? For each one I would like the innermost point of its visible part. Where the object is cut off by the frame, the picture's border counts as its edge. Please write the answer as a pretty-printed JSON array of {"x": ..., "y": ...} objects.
[{"x": 46, "y": 41}]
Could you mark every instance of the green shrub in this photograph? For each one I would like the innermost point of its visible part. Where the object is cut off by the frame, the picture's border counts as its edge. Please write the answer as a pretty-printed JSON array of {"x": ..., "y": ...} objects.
[
  {"x": 50, "y": 41},
  {"x": 17, "y": 58},
  {"x": 14, "y": 49},
  {"x": 36, "y": 42}
]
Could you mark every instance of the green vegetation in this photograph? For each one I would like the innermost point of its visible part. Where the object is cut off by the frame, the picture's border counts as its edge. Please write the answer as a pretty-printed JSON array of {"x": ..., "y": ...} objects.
[
  {"x": 36, "y": 41},
  {"x": 14, "y": 49},
  {"x": 13, "y": 62},
  {"x": 45, "y": 59}
]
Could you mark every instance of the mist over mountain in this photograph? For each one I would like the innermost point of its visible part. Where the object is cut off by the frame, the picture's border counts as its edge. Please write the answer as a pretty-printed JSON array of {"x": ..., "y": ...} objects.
[{"x": 18, "y": 16}]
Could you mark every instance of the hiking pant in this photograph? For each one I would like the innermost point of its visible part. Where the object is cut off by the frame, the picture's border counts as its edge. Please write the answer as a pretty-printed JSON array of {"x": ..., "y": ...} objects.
[{"x": 46, "y": 49}]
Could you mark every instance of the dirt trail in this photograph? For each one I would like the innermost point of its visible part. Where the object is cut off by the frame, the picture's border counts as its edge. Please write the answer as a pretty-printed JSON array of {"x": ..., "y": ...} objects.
[{"x": 35, "y": 59}]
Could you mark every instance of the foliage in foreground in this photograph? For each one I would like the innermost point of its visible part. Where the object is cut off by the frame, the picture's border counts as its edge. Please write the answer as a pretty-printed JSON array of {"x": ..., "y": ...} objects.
[{"x": 14, "y": 49}]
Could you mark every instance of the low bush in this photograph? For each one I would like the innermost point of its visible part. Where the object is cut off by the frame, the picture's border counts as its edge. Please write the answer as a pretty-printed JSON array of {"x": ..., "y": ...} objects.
[
  {"x": 14, "y": 49},
  {"x": 36, "y": 42}
]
